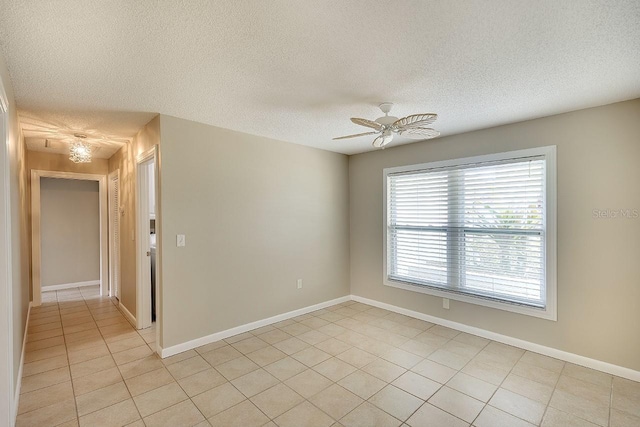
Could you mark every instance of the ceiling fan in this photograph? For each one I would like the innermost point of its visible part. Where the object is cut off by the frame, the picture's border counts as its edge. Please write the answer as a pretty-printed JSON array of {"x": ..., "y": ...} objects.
[{"x": 413, "y": 126}]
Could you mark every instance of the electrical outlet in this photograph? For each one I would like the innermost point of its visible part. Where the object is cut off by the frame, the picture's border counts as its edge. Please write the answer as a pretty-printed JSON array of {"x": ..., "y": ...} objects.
[
  {"x": 181, "y": 241},
  {"x": 445, "y": 303},
  {"x": 299, "y": 283}
]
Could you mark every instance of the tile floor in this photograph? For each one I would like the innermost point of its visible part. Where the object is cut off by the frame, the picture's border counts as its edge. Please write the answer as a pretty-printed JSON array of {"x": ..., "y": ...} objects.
[{"x": 347, "y": 365}]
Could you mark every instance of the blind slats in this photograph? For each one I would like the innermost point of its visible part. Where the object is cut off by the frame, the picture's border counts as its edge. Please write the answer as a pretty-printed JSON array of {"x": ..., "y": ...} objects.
[{"x": 472, "y": 229}]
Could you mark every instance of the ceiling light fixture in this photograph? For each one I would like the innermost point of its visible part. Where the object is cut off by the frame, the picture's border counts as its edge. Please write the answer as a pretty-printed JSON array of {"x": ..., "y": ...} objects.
[{"x": 80, "y": 151}]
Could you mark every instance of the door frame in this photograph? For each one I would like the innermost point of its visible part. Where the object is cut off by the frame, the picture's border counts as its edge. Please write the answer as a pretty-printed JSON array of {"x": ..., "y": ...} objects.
[
  {"x": 8, "y": 392},
  {"x": 36, "y": 243},
  {"x": 114, "y": 267},
  {"x": 143, "y": 263}
]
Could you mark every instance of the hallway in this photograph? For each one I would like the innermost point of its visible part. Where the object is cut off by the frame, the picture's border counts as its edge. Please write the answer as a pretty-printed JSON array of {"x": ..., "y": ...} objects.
[{"x": 79, "y": 351}]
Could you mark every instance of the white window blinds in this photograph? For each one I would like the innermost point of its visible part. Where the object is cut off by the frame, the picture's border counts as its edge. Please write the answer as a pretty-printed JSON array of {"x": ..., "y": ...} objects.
[{"x": 476, "y": 229}]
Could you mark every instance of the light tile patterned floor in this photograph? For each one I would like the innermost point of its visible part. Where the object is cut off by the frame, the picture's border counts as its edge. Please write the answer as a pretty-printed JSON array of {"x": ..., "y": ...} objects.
[{"x": 347, "y": 365}]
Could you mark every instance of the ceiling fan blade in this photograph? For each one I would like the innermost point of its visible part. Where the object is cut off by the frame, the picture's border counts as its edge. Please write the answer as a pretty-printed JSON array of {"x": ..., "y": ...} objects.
[
  {"x": 378, "y": 142},
  {"x": 419, "y": 133},
  {"x": 383, "y": 140},
  {"x": 354, "y": 136},
  {"x": 415, "y": 120},
  {"x": 368, "y": 123}
]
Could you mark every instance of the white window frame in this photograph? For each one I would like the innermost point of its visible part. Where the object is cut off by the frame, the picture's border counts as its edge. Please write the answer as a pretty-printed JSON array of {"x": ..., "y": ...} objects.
[{"x": 550, "y": 182}]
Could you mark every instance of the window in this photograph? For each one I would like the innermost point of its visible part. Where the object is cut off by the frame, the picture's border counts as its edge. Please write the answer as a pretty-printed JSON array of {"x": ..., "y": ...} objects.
[{"x": 479, "y": 230}]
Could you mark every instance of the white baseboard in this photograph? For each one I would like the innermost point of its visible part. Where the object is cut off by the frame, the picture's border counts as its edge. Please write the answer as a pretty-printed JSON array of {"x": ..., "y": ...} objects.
[
  {"x": 179, "y": 348},
  {"x": 577, "y": 359},
  {"x": 70, "y": 285},
  {"x": 127, "y": 314},
  {"x": 16, "y": 397}
]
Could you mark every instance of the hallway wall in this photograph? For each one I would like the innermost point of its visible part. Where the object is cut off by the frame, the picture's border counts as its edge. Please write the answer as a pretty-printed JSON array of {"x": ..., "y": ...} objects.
[
  {"x": 125, "y": 161},
  {"x": 18, "y": 208}
]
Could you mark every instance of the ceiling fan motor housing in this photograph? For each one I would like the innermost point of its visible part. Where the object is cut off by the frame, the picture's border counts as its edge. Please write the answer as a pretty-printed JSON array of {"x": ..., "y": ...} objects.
[{"x": 386, "y": 120}]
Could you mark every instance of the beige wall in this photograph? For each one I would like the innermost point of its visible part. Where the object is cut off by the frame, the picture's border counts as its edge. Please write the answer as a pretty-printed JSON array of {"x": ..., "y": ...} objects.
[
  {"x": 39, "y": 160},
  {"x": 18, "y": 208},
  {"x": 598, "y": 151},
  {"x": 69, "y": 231},
  {"x": 257, "y": 214},
  {"x": 125, "y": 161}
]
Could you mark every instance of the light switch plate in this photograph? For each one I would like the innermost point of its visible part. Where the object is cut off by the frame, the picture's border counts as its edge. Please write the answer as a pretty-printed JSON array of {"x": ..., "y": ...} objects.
[
  {"x": 181, "y": 241},
  {"x": 445, "y": 303}
]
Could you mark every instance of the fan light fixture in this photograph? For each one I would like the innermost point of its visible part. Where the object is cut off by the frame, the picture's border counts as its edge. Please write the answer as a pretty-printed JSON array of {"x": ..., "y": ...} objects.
[
  {"x": 413, "y": 126},
  {"x": 80, "y": 151}
]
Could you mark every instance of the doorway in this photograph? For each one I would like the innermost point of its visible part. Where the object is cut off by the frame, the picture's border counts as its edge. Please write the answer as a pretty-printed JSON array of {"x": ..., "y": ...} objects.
[
  {"x": 36, "y": 231},
  {"x": 147, "y": 238}
]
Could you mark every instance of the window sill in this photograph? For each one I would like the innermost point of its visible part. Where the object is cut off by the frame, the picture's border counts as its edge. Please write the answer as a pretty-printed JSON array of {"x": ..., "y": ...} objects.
[{"x": 548, "y": 313}]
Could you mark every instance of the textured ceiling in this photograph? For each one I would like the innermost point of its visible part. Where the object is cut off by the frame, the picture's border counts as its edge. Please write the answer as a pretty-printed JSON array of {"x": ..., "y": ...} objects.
[{"x": 297, "y": 70}]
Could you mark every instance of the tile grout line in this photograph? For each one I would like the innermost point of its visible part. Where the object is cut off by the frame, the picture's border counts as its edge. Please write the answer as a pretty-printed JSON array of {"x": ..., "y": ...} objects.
[
  {"x": 75, "y": 405},
  {"x": 555, "y": 386},
  {"x": 114, "y": 362},
  {"x": 110, "y": 354},
  {"x": 75, "y": 398},
  {"x": 499, "y": 386},
  {"x": 609, "y": 419},
  {"x": 189, "y": 398},
  {"x": 73, "y": 390},
  {"x": 485, "y": 404}
]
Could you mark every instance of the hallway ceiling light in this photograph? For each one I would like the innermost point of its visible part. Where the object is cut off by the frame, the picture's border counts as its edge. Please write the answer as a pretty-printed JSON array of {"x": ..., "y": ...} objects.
[
  {"x": 36, "y": 130},
  {"x": 80, "y": 151}
]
